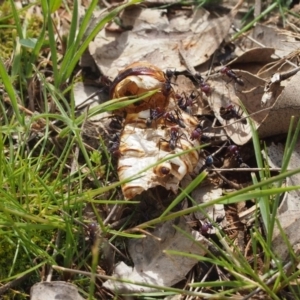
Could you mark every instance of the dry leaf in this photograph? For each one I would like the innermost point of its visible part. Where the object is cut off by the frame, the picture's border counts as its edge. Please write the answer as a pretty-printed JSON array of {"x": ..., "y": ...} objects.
[
  {"x": 204, "y": 194},
  {"x": 143, "y": 147},
  {"x": 291, "y": 199},
  {"x": 265, "y": 107},
  {"x": 152, "y": 265},
  {"x": 88, "y": 96},
  {"x": 285, "y": 106},
  {"x": 290, "y": 222},
  {"x": 157, "y": 40},
  {"x": 155, "y": 129},
  {"x": 271, "y": 37},
  {"x": 253, "y": 59},
  {"x": 54, "y": 290},
  {"x": 289, "y": 209},
  {"x": 138, "y": 78}
]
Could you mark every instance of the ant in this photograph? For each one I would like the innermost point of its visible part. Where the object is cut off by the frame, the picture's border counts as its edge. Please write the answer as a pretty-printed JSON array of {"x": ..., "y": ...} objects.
[
  {"x": 209, "y": 161},
  {"x": 92, "y": 229},
  {"x": 116, "y": 123},
  {"x": 185, "y": 103},
  {"x": 167, "y": 87},
  {"x": 155, "y": 114},
  {"x": 205, "y": 226},
  {"x": 233, "y": 150},
  {"x": 207, "y": 164},
  {"x": 204, "y": 86},
  {"x": 114, "y": 145},
  {"x": 231, "y": 74},
  {"x": 174, "y": 137},
  {"x": 170, "y": 117},
  {"x": 105, "y": 82},
  {"x": 165, "y": 171},
  {"x": 230, "y": 112},
  {"x": 197, "y": 134}
]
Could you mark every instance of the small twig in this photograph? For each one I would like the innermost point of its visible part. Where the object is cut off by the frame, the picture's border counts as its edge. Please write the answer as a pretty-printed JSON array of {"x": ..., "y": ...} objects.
[
  {"x": 111, "y": 214},
  {"x": 231, "y": 183},
  {"x": 248, "y": 169},
  {"x": 55, "y": 252}
]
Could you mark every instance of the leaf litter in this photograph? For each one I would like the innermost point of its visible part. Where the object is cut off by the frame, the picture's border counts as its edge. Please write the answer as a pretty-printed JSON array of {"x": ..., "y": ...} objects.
[
  {"x": 141, "y": 146},
  {"x": 162, "y": 129}
]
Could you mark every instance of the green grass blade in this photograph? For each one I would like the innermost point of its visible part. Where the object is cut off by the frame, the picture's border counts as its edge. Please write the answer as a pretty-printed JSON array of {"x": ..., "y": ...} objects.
[{"x": 71, "y": 58}]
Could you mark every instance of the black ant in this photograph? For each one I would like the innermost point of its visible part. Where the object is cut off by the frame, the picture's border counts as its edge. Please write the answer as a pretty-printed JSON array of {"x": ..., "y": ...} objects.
[
  {"x": 170, "y": 117},
  {"x": 185, "y": 103},
  {"x": 92, "y": 229},
  {"x": 231, "y": 74},
  {"x": 207, "y": 164},
  {"x": 209, "y": 161},
  {"x": 233, "y": 150},
  {"x": 155, "y": 113},
  {"x": 114, "y": 145},
  {"x": 105, "y": 82},
  {"x": 165, "y": 171},
  {"x": 167, "y": 87},
  {"x": 205, "y": 227},
  {"x": 174, "y": 137},
  {"x": 197, "y": 134},
  {"x": 230, "y": 112},
  {"x": 116, "y": 123},
  {"x": 204, "y": 86}
]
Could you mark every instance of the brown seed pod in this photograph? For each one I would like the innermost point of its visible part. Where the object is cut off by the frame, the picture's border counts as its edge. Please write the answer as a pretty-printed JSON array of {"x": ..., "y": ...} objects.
[{"x": 138, "y": 78}]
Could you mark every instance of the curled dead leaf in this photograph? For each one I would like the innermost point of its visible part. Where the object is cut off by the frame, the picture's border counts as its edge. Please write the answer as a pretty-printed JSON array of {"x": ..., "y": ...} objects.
[
  {"x": 141, "y": 148},
  {"x": 138, "y": 78}
]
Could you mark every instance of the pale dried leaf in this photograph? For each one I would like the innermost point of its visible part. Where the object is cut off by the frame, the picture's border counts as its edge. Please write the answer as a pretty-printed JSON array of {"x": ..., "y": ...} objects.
[
  {"x": 285, "y": 106},
  {"x": 290, "y": 222},
  {"x": 156, "y": 40},
  {"x": 271, "y": 37},
  {"x": 283, "y": 103},
  {"x": 274, "y": 158},
  {"x": 83, "y": 92},
  {"x": 152, "y": 265},
  {"x": 289, "y": 209},
  {"x": 54, "y": 290},
  {"x": 204, "y": 194},
  {"x": 274, "y": 155}
]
